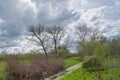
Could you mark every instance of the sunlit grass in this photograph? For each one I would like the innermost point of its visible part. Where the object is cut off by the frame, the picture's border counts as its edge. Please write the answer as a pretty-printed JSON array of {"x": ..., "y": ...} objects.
[
  {"x": 71, "y": 61},
  {"x": 80, "y": 74},
  {"x": 2, "y": 69}
]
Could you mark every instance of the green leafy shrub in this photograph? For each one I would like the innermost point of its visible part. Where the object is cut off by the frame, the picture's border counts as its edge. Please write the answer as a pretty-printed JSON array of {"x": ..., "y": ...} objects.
[
  {"x": 63, "y": 54},
  {"x": 92, "y": 64}
]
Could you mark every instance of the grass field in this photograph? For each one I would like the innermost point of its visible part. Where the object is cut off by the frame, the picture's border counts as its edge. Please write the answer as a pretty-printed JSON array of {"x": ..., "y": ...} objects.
[
  {"x": 71, "y": 61},
  {"x": 80, "y": 74},
  {"x": 68, "y": 63},
  {"x": 2, "y": 69}
]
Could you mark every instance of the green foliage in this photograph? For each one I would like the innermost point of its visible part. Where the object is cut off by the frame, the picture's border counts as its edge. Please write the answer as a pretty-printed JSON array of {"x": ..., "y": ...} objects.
[
  {"x": 92, "y": 64},
  {"x": 86, "y": 48},
  {"x": 101, "y": 50},
  {"x": 62, "y": 53},
  {"x": 94, "y": 48},
  {"x": 115, "y": 47}
]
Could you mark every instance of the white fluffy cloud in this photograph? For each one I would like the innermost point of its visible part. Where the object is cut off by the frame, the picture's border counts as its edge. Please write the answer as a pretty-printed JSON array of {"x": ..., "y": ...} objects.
[
  {"x": 93, "y": 14},
  {"x": 2, "y": 21},
  {"x": 17, "y": 15}
]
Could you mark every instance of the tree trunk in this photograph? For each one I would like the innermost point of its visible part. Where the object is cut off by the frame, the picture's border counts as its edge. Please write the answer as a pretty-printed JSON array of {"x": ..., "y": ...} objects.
[
  {"x": 44, "y": 49},
  {"x": 45, "y": 53},
  {"x": 98, "y": 75},
  {"x": 55, "y": 47}
]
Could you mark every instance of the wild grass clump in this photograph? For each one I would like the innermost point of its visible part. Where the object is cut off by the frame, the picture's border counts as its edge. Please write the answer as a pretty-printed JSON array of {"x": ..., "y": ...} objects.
[{"x": 38, "y": 68}]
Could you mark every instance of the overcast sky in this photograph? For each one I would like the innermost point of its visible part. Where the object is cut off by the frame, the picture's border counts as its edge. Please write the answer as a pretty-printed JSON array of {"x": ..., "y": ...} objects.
[{"x": 17, "y": 15}]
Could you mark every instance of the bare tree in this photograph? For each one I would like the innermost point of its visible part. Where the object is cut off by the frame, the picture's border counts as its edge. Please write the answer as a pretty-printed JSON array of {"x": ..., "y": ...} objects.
[
  {"x": 41, "y": 36},
  {"x": 56, "y": 33},
  {"x": 82, "y": 32},
  {"x": 95, "y": 34},
  {"x": 85, "y": 33}
]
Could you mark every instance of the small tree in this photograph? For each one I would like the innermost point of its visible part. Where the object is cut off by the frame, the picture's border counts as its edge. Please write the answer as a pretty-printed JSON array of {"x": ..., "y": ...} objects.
[
  {"x": 100, "y": 51},
  {"x": 92, "y": 64},
  {"x": 95, "y": 65},
  {"x": 86, "y": 48}
]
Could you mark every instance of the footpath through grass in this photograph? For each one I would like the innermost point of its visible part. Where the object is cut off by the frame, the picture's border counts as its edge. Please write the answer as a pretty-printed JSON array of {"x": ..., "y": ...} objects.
[{"x": 80, "y": 74}]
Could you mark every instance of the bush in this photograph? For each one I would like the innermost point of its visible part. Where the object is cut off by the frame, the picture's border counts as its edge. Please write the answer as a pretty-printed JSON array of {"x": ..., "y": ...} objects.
[
  {"x": 63, "y": 53},
  {"x": 72, "y": 55},
  {"x": 92, "y": 64},
  {"x": 38, "y": 68}
]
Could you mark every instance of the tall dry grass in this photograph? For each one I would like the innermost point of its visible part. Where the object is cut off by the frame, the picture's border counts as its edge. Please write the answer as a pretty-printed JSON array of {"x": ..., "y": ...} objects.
[{"x": 38, "y": 67}]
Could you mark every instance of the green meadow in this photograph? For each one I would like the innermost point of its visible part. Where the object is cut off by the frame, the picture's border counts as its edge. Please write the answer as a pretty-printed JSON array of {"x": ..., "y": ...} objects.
[{"x": 80, "y": 74}]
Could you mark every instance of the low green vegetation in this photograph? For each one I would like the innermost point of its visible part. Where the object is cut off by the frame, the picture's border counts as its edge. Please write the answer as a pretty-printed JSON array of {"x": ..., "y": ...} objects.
[
  {"x": 71, "y": 61},
  {"x": 101, "y": 61},
  {"x": 81, "y": 74},
  {"x": 2, "y": 69}
]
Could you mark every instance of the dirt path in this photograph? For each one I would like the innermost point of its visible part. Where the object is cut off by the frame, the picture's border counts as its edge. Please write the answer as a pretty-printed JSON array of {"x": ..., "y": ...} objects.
[{"x": 63, "y": 73}]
